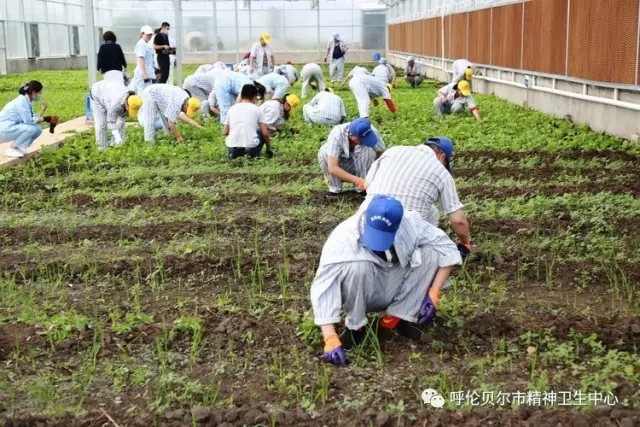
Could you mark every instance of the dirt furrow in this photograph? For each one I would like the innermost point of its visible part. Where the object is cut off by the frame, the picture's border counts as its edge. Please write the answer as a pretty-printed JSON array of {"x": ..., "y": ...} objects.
[{"x": 549, "y": 156}]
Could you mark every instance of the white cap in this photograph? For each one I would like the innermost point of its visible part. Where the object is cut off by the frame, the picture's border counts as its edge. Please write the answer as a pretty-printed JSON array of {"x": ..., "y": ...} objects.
[
  {"x": 146, "y": 30},
  {"x": 410, "y": 58}
]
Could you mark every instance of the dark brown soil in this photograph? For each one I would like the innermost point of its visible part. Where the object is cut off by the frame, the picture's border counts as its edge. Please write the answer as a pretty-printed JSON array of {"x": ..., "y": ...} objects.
[
  {"x": 631, "y": 188},
  {"x": 550, "y": 157}
]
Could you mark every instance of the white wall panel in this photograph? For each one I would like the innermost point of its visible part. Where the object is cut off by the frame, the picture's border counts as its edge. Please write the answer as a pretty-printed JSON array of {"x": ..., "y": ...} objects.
[{"x": 16, "y": 46}]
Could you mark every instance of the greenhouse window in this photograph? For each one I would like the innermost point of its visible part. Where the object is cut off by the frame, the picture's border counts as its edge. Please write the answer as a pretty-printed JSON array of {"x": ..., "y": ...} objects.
[
  {"x": 33, "y": 40},
  {"x": 75, "y": 40}
]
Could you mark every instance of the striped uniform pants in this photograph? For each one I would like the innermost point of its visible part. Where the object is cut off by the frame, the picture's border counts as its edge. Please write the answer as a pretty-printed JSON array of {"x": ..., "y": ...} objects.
[
  {"x": 369, "y": 288},
  {"x": 336, "y": 69},
  {"x": 196, "y": 92},
  {"x": 358, "y": 164},
  {"x": 314, "y": 115},
  {"x": 100, "y": 124},
  {"x": 151, "y": 119},
  {"x": 447, "y": 107},
  {"x": 311, "y": 74},
  {"x": 362, "y": 97}
]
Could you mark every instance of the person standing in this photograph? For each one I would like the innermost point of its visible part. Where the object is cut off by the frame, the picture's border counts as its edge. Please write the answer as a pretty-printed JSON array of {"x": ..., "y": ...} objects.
[
  {"x": 111, "y": 61},
  {"x": 311, "y": 74},
  {"x": 261, "y": 60},
  {"x": 162, "y": 106},
  {"x": 385, "y": 72},
  {"x": 366, "y": 89},
  {"x": 412, "y": 73},
  {"x": 336, "y": 50},
  {"x": 461, "y": 70},
  {"x": 228, "y": 87},
  {"x": 145, "y": 72},
  {"x": 453, "y": 98},
  {"x": 350, "y": 150},
  {"x": 162, "y": 47},
  {"x": 326, "y": 108},
  {"x": 110, "y": 103},
  {"x": 420, "y": 176},
  {"x": 245, "y": 128},
  {"x": 385, "y": 259},
  {"x": 19, "y": 124}
]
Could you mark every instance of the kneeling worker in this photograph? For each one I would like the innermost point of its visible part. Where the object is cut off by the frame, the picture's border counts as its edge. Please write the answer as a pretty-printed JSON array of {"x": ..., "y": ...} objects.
[
  {"x": 350, "y": 150},
  {"x": 326, "y": 108},
  {"x": 245, "y": 128},
  {"x": 162, "y": 105},
  {"x": 453, "y": 98},
  {"x": 275, "y": 112},
  {"x": 386, "y": 259}
]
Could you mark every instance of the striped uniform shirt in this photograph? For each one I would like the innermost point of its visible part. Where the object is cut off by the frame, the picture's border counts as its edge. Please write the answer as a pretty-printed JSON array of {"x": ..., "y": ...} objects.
[
  {"x": 272, "y": 112},
  {"x": 384, "y": 72},
  {"x": 164, "y": 102},
  {"x": 352, "y": 278},
  {"x": 275, "y": 83},
  {"x": 204, "y": 68},
  {"x": 337, "y": 144},
  {"x": 408, "y": 70},
  {"x": 358, "y": 71},
  {"x": 458, "y": 69},
  {"x": 108, "y": 99},
  {"x": 201, "y": 85},
  {"x": 325, "y": 108},
  {"x": 414, "y": 176},
  {"x": 452, "y": 96},
  {"x": 292, "y": 73},
  {"x": 365, "y": 88}
]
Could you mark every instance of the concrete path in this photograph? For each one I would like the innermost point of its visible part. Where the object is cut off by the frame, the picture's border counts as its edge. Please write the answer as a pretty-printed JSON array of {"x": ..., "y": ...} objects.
[{"x": 46, "y": 139}]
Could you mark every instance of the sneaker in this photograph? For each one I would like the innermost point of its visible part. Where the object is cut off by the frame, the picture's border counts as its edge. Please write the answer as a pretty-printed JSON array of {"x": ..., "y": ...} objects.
[
  {"x": 13, "y": 152},
  {"x": 351, "y": 339}
]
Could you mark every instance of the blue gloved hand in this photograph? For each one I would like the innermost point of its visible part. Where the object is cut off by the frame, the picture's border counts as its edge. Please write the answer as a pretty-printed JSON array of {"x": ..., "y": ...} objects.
[
  {"x": 336, "y": 357},
  {"x": 465, "y": 250},
  {"x": 427, "y": 311}
]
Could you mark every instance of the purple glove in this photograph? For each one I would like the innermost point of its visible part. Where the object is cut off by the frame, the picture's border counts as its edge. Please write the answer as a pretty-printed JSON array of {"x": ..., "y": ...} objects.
[
  {"x": 427, "y": 311},
  {"x": 336, "y": 357}
]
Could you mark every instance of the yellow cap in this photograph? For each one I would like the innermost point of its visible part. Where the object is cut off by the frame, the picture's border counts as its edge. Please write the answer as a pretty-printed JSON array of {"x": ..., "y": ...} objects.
[
  {"x": 390, "y": 87},
  {"x": 266, "y": 38},
  {"x": 134, "y": 102},
  {"x": 293, "y": 101},
  {"x": 468, "y": 73},
  {"x": 193, "y": 105},
  {"x": 463, "y": 87}
]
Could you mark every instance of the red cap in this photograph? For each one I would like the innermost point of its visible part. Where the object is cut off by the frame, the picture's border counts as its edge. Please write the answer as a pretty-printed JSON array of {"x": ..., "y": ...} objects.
[
  {"x": 247, "y": 55},
  {"x": 288, "y": 62}
]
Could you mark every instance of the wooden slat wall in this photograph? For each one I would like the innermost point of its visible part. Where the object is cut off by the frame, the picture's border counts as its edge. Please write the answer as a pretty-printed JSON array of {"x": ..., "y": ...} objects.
[{"x": 601, "y": 43}]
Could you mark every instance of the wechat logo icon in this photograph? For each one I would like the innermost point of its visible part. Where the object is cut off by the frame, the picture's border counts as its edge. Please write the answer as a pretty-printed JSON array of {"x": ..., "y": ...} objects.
[{"x": 433, "y": 398}]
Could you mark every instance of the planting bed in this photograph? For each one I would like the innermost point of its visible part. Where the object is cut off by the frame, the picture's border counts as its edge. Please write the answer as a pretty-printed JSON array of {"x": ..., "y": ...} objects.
[{"x": 161, "y": 285}]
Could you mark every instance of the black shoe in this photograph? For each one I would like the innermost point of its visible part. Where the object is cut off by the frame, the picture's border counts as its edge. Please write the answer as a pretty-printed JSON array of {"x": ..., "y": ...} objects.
[
  {"x": 331, "y": 195},
  {"x": 409, "y": 330},
  {"x": 351, "y": 339}
]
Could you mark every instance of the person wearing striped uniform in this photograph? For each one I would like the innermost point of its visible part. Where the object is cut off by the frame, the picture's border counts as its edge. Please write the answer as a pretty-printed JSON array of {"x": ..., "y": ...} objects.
[
  {"x": 145, "y": 72},
  {"x": 412, "y": 73},
  {"x": 162, "y": 106},
  {"x": 275, "y": 112},
  {"x": 276, "y": 85},
  {"x": 355, "y": 72},
  {"x": 387, "y": 259},
  {"x": 326, "y": 108},
  {"x": 336, "y": 50},
  {"x": 350, "y": 150},
  {"x": 419, "y": 176},
  {"x": 453, "y": 98},
  {"x": 205, "y": 68},
  {"x": 366, "y": 89},
  {"x": 228, "y": 87},
  {"x": 290, "y": 72},
  {"x": 461, "y": 70},
  {"x": 385, "y": 72},
  {"x": 311, "y": 75},
  {"x": 201, "y": 86},
  {"x": 212, "y": 104},
  {"x": 110, "y": 103}
]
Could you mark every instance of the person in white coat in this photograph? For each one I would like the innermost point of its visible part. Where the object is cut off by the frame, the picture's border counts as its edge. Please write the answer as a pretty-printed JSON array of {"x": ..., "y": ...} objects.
[
  {"x": 18, "y": 123},
  {"x": 355, "y": 72},
  {"x": 145, "y": 72},
  {"x": 311, "y": 76},
  {"x": 162, "y": 106},
  {"x": 261, "y": 61},
  {"x": 461, "y": 70},
  {"x": 385, "y": 72},
  {"x": 386, "y": 259},
  {"x": 336, "y": 51},
  {"x": 110, "y": 103},
  {"x": 326, "y": 108}
]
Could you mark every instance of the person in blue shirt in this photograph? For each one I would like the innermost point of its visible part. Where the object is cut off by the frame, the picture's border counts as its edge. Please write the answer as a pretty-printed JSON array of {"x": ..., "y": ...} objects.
[
  {"x": 228, "y": 87},
  {"x": 276, "y": 83},
  {"x": 145, "y": 72},
  {"x": 18, "y": 123}
]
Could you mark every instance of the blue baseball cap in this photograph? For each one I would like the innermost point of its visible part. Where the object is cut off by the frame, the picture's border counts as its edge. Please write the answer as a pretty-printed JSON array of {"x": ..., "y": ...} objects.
[
  {"x": 382, "y": 221},
  {"x": 361, "y": 128},
  {"x": 336, "y": 36},
  {"x": 444, "y": 144},
  {"x": 383, "y": 60}
]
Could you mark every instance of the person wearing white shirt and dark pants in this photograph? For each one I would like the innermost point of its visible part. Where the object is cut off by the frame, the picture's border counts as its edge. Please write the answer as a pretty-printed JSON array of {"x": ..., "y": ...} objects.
[
  {"x": 336, "y": 50},
  {"x": 245, "y": 128}
]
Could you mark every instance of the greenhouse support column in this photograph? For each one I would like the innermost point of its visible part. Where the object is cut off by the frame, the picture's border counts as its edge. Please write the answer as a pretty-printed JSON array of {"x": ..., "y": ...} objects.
[
  {"x": 250, "y": 27},
  {"x": 235, "y": 9},
  {"x": 320, "y": 46},
  {"x": 637, "y": 46},
  {"x": 90, "y": 31},
  {"x": 215, "y": 31},
  {"x": 177, "y": 10}
]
